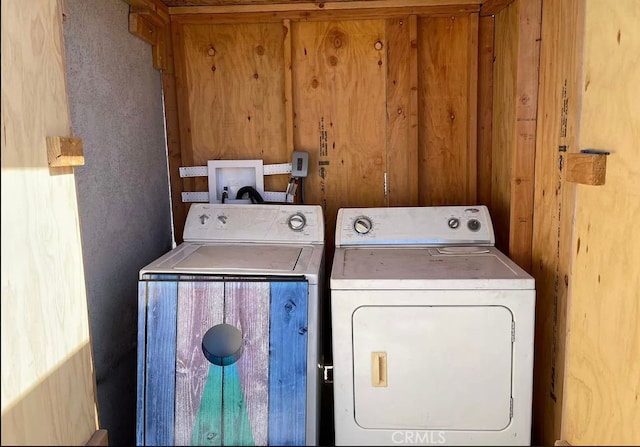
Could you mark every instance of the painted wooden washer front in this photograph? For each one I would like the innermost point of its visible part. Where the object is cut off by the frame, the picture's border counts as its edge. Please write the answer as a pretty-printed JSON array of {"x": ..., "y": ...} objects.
[{"x": 259, "y": 399}]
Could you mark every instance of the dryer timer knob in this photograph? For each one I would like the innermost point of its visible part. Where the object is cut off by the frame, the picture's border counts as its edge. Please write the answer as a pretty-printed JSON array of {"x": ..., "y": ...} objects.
[
  {"x": 473, "y": 224},
  {"x": 297, "y": 222},
  {"x": 362, "y": 225}
]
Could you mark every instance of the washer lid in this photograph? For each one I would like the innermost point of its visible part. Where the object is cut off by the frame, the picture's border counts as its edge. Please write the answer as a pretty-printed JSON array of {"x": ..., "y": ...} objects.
[
  {"x": 240, "y": 259},
  {"x": 243, "y": 257},
  {"x": 426, "y": 268}
]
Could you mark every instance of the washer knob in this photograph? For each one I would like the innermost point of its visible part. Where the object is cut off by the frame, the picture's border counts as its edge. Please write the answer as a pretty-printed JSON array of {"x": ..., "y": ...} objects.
[
  {"x": 473, "y": 224},
  {"x": 453, "y": 223},
  {"x": 362, "y": 225},
  {"x": 297, "y": 222}
]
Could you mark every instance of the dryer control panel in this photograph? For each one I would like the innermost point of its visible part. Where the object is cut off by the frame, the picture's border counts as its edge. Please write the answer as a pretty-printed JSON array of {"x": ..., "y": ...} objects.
[
  {"x": 415, "y": 226},
  {"x": 254, "y": 223}
]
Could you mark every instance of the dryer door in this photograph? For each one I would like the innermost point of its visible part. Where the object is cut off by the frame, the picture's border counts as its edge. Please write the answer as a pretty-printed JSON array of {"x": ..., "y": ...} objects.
[{"x": 432, "y": 367}]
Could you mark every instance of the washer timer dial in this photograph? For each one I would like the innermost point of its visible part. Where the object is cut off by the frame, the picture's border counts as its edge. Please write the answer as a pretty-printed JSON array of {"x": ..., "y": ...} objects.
[
  {"x": 362, "y": 225},
  {"x": 473, "y": 224},
  {"x": 297, "y": 221}
]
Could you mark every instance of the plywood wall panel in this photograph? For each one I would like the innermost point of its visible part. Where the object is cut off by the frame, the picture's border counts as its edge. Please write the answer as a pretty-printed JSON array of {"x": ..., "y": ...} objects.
[
  {"x": 444, "y": 88},
  {"x": 558, "y": 118},
  {"x": 48, "y": 384},
  {"x": 602, "y": 372},
  {"x": 387, "y": 109},
  {"x": 402, "y": 110},
  {"x": 234, "y": 86},
  {"x": 339, "y": 79}
]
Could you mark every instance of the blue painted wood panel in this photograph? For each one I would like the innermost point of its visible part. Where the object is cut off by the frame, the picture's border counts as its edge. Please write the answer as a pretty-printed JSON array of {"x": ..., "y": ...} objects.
[
  {"x": 200, "y": 307},
  {"x": 142, "y": 343},
  {"x": 288, "y": 363},
  {"x": 162, "y": 298},
  {"x": 185, "y": 400}
]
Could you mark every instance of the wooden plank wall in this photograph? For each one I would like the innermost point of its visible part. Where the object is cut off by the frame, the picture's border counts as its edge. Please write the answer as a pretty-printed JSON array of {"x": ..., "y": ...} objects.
[
  {"x": 602, "y": 368},
  {"x": 386, "y": 104},
  {"x": 517, "y": 51},
  {"x": 486, "y": 35},
  {"x": 340, "y": 112},
  {"x": 558, "y": 118},
  {"x": 503, "y": 136},
  {"x": 448, "y": 57},
  {"x": 48, "y": 383}
]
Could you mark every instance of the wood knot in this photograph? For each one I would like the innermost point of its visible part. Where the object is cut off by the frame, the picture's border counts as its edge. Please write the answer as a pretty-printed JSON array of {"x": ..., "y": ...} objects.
[
  {"x": 260, "y": 50},
  {"x": 315, "y": 83},
  {"x": 333, "y": 60}
]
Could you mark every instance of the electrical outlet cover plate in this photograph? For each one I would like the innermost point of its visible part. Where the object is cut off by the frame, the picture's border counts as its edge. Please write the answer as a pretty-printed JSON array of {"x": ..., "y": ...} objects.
[
  {"x": 234, "y": 174},
  {"x": 299, "y": 164}
]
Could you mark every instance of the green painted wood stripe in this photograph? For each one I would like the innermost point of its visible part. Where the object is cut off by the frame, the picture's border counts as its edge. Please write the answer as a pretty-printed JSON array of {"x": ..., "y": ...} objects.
[
  {"x": 207, "y": 429},
  {"x": 236, "y": 426}
]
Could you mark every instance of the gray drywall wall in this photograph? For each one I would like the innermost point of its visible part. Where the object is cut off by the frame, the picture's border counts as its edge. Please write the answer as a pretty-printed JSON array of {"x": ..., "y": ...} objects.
[{"x": 115, "y": 96}]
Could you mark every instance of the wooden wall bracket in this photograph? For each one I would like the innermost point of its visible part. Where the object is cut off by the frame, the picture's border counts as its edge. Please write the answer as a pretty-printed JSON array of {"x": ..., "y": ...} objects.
[
  {"x": 64, "y": 151},
  {"x": 587, "y": 167},
  {"x": 149, "y": 21},
  {"x": 492, "y": 7}
]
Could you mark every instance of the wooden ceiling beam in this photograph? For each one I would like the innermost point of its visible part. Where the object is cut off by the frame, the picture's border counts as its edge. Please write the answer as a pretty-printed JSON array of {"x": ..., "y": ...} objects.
[{"x": 244, "y": 7}]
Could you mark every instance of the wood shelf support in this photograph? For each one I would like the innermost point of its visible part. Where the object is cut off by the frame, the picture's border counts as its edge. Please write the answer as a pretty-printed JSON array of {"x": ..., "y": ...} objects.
[
  {"x": 587, "y": 167},
  {"x": 64, "y": 151}
]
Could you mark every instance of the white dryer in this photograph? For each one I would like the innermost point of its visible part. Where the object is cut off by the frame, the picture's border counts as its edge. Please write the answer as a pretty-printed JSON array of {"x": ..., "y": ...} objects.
[
  {"x": 432, "y": 330},
  {"x": 228, "y": 329}
]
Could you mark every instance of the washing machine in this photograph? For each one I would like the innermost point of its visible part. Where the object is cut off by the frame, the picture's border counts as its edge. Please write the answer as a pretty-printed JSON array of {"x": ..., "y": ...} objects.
[
  {"x": 432, "y": 330},
  {"x": 228, "y": 329}
]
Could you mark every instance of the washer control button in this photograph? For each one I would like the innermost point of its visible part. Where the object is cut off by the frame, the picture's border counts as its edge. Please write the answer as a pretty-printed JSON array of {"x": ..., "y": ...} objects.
[
  {"x": 473, "y": 224},
  {"x": 297, "y": 222},
  {"x": 362, "y": 225},
  {"x": 453, "y": 223}
]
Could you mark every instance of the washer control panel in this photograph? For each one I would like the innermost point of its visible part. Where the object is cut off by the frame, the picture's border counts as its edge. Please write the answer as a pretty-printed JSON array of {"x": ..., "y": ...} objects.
[
  {"x": 420, "y": 226},
  {"x": 254, "y": 223}
]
